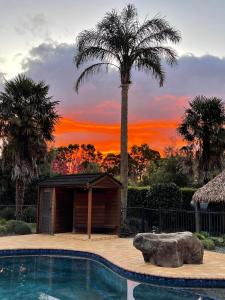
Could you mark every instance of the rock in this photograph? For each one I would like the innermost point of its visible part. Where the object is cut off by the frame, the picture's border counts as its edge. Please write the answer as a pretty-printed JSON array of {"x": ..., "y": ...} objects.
[{"x": 170, "y": 249}]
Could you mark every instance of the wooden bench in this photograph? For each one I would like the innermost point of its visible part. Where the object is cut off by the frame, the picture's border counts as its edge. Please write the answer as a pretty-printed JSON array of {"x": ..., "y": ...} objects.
[{"x": 97, "y": 226}]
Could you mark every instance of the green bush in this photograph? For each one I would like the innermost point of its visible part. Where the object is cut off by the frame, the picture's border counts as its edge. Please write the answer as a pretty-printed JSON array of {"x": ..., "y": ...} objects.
[
  {"x": 200, "y": 236},
  {"x": 7, "y": 213},
  {"x": 208, "y": 244},
  {"x": 205, "y": 234},
  {"x": 218, "y": 241},
  {"x": 10, "y": 225},
  {"x": 187, "y": 194},
  {"x": 2, "y": 221},
  {"x": 29, "y": 214},
  {"x": 165, "y": 196},
  {"x": 137, "y": 197},
  {"x": 3, "y": 230},
  {"x": 22, "y": 228},
  {"x": 17, "y": 227}
]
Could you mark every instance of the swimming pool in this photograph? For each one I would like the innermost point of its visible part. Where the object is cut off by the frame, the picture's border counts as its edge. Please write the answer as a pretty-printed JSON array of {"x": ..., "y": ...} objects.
[{"x": 52, "y": 277}]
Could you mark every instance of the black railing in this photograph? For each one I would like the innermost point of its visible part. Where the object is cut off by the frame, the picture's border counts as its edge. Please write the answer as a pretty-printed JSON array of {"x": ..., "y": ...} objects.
[{"x": 140, "y": 219}]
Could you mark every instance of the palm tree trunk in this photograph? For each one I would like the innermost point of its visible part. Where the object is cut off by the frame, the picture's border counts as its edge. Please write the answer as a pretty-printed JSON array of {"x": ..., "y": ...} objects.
[
  {"x": 20, "y": 189},
  {"x": 124, "y": 148}
]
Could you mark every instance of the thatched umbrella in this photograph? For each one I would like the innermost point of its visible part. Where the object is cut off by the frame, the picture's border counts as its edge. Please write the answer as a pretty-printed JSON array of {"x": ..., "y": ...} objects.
[{"x": 213, "y": 191}]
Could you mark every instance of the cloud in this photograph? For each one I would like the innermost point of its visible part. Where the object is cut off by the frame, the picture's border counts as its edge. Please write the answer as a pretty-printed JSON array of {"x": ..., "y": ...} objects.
[
  {"x": 2, "y": 78},
  {"x": 34, "y": 25},
  {"x": 98, "y": 101}
]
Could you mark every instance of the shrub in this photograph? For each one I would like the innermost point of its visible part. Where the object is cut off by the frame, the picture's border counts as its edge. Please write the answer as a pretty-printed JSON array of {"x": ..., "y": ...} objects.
[
  {"x": 218, "y": 241},
  {"x": 205, "y": 234},
  {"x": 10, "y": 225},
  {"x": 200, "y": 236},
  {"x": 164, "y": 195},
  {"x": 137, "y": 197},
  {"x": 2, "y": 230},
  {"x": 208, "y": 244},
  {"x": 29, "y": 214},
  {"x": 22, "y": 228},
  {"x": 7, "y": 213},
  {"x": 2, "y": 221},
  {"x": 17, "y": 227},
  {"x": 187, "y": 194}
]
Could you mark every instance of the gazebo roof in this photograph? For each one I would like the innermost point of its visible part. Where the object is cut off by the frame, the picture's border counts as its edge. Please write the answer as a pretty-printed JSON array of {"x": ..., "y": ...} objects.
[
  {"x": 78, "y": 180},
  {"x": 213, "y": 191}
]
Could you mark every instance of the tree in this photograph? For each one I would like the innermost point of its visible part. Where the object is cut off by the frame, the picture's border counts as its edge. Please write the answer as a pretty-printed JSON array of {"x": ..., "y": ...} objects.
[
  {"x": 111, "y": 164},
  {"x": 27, "y": 119},
  {"x": 203, "y": 128},
  {"x": 120, "y": 41},
  {"x": 141, "y": 157},
  {"x": 76, "y": 159},
  {"x": 166, "y": 170}
]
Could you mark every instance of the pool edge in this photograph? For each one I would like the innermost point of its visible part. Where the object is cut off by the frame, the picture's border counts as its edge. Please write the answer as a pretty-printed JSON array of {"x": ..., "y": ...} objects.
[{"x": 132, "y": 275}]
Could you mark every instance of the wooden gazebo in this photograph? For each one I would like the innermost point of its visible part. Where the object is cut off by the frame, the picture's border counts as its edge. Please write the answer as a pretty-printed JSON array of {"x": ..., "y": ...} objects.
[{"x": 79, "y": 203}]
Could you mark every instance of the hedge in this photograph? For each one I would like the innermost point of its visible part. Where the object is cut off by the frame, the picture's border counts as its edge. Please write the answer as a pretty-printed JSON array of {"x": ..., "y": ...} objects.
[
  {"x": 165, "y": 196},
  {"x": 137, "y": 197}
]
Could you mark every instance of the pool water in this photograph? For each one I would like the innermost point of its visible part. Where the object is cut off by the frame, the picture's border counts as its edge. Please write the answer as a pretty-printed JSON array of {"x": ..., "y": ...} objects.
[{"x": 65, "y": 278}]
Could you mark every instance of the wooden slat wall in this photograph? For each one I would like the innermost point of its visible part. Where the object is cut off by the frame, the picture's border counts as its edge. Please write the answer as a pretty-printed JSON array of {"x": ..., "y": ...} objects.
[
  {"x": 64, "y": 210},
  {"x": 104, "y": 211}
]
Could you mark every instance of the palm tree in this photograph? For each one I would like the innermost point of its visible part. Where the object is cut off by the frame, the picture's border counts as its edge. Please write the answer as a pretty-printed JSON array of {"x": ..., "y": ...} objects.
[
  {"x": 203, "y": 127},
  {"x": 120, "y": 41},
  {"x": 27, "y": 119}
]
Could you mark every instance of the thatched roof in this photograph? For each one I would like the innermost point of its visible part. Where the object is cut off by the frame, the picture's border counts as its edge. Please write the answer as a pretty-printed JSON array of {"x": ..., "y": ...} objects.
[{"x": 213, "y": 191}]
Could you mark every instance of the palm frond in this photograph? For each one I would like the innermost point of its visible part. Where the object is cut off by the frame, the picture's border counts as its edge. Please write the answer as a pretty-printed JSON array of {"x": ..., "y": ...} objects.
[
  {"x": 93, "y": 69},
  {"x": 157, "y": 25},
  {"x": 94, "y": 52},
  {"x": 153, "y": 67},
  {"x": 167, "y": 53},
  {"x": 165, "y": 35}
]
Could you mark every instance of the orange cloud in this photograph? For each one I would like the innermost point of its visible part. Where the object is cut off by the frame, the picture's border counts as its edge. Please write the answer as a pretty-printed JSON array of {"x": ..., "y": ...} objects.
[{"x": 106, "y": 137}]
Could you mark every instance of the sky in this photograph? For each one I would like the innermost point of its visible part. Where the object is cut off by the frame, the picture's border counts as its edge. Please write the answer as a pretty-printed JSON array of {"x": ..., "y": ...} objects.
[{"x": 38, "y": 38}]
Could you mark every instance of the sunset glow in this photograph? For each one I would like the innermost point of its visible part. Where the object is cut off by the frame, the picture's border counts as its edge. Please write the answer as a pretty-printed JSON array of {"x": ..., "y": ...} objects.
[{"x": 106, "y": 137}]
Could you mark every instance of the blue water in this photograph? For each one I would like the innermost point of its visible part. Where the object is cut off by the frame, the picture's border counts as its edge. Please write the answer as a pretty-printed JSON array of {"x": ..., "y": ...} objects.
[{"x": 64, "y": 278}]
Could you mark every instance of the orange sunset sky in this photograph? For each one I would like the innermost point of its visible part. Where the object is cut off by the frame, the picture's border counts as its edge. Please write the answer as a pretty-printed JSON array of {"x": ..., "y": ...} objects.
[
  {"x": 158, "y": 134},
  {"x": 39, "y": 40}
]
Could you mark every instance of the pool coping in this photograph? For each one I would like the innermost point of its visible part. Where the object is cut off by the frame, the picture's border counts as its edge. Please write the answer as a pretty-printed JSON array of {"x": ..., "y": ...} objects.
[{"x": 132, "y": 275}]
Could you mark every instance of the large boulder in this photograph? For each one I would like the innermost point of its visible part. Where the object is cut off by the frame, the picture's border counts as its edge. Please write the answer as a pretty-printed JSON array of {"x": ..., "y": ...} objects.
[{"x": 170, "y": 249}]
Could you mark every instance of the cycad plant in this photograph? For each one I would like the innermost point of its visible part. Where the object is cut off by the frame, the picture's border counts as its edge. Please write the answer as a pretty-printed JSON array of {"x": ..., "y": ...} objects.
[
  {"x": 120, "y": 41},
  {"x": 27, "y": 119}
]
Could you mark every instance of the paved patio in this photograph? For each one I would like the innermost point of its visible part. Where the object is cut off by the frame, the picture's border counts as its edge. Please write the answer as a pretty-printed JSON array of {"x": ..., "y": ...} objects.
[{"x": 120, "y": 252}]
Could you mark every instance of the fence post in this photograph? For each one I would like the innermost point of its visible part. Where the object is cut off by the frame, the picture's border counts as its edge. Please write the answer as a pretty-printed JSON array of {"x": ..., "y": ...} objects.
[
  {"x": 160, "y": 220},
  {"x": 197, "y": 218},
  {"x": 143, "y": 219}
]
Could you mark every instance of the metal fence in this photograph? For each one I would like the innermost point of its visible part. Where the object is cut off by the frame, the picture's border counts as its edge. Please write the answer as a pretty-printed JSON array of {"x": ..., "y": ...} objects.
[
  {"x": 28, "y": 214},
  {"x": 140, "y": 219}
]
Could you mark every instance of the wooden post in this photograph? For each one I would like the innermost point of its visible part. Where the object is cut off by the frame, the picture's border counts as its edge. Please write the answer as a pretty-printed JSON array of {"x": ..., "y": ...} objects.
[
  {"x": 38, "y": 211},
  {"x": 89, "y": 212},
  {"x": 197, "y": 219},
  {"x": 53, "y": 211},
  {"x": 74, "y": 210},
  {"x": 118, "y": 201}
]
